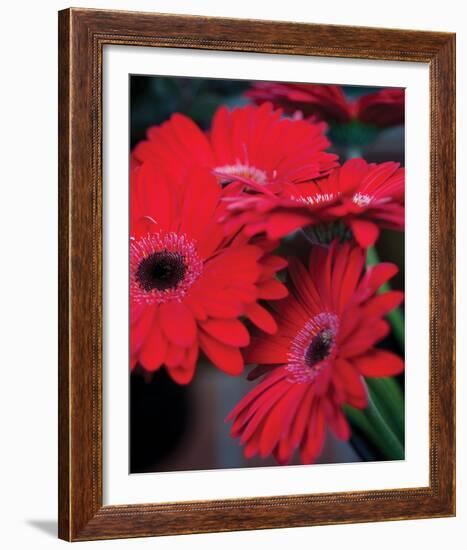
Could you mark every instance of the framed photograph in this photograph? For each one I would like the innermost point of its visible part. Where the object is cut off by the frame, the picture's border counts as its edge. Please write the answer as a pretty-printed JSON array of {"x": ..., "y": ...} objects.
[{"x": 256, "y": 274}]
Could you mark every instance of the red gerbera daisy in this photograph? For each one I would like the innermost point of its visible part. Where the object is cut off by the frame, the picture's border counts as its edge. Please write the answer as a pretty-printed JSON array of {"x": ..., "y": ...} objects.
[
  {"x": 328, "y": 102},
  {"x": 316, "y": 361},
  {"x": 255, "y": 145},
  {"x": 189, "y": 284},
  {"x": 384, "y": 108},
  {"x": 358, "y": 198}
]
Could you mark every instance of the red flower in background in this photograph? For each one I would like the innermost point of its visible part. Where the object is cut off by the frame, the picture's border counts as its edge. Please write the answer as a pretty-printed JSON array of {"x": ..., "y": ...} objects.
[
  {"x": 384, "y": 108},
  {"x": 316, "y": 361},
  {"x": 328, "y": 102},
  {"x": 364, "y": 197},
  {"x": 189, "y": 284},
  {"x": 254, "y": 145}
]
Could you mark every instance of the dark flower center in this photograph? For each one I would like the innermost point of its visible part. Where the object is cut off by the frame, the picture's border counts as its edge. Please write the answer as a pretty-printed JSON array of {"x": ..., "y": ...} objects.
[
  {"x": 313, "y": 347},
  {"x": 161, "y": 271},
  {"x": 319, "y": 348}
]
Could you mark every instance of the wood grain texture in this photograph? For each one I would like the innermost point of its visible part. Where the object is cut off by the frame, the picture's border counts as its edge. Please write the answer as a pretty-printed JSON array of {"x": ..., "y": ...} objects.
[{"x": 82, "y": 36}]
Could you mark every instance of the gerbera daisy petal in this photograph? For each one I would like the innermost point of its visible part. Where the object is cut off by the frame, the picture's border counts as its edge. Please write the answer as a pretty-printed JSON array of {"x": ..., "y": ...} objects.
[
  {"x": 365, "y": 232},
  {"x": 220, "y": 133},
  {"x": 315, "y": 435},
  {"x": 364, "y": 337},
  {"x": 196, "y": 215},
  {"x": 251, "y": 447},
  {"x": 261, "y": 318},
  {"x": 258, "y": 412},
  {"x": 304, "y": 287},
  {"x": 266, "y": 351},
  {"x": 383, "y": 108},
  {"x": 351, "y": 174},
  {"x": 218, "y": 305},
  {"x": 378, "y": 362},
  {"x": 143, "y": 226},
  {"x": 359, "y": 401},
  {"x": 269, "y": 381},
  {"x": 375, "y": 277},
  {"x": 151, "y": 195},
  {"x": 178, "y": 324},
  {"x": 272, "y": 290},
  {"x": 279, "y": 419},
  {"x": 300, "y": 421},
  {"x": 269, "y": 269},
  {"x": 283, "y": 452},
  {"x": 142, "y": 328},
  {"x": 338, "y": 424},
  {"x": 292, "y": 314},
  {"x": 241, "y": 262},
  {"x": 153, "y": 351},
  {"x": 174, "y": 356},
  {"x": 196, "y": 307},
  {"x": 193, "y": 139},
  {"x": 182, "y": 375},
  {"x": 228, "y": 331},
  {"x": 350, "y": 277},
  {"x": 281, "y": 224},
  {"x": 224, "y": 357},
  {"x": 351, "y": 377},
  {"x": 383, "y": 303}
]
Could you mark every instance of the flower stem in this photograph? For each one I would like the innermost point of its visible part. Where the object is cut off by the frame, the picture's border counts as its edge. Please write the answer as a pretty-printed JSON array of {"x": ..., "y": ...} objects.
[
  {"x": 371, "y": 422},
  {"x": 395, "y": 317},
  {"x": 393, "y": 446},
  {"x": 388, "y": 397}
]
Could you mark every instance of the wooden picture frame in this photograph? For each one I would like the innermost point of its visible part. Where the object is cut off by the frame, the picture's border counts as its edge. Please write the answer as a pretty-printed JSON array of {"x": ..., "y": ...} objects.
[{"x": 83, "y": 34}]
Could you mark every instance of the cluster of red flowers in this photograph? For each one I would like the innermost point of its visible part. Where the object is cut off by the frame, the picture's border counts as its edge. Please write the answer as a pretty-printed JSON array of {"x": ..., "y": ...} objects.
[
  {"x": 208, "y": 210},
  {"x": 325, "y": 102}
]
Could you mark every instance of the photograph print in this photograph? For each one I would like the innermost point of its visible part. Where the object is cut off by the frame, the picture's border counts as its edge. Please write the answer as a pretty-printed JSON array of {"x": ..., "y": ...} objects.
[{"x": 266, "y": 274}]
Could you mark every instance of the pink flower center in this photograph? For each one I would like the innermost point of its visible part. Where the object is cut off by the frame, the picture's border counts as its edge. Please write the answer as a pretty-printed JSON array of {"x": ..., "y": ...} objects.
[
  {"x": 163, "y": 267},
  {"x": 313, "y": 347},
  {"x": 362, "y": 199},
  {"x": 314, "y": 200},
  {"x": 243, "y": 171}
]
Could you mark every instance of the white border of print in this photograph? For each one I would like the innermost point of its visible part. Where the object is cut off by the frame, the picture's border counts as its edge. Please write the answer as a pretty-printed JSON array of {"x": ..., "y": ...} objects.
[{"x": 122, "y": 488}]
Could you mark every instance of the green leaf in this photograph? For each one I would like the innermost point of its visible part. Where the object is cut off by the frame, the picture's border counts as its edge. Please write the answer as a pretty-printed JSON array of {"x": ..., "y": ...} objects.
[
  {"x": 371, "y": 422},
  {"x": 388, "y": 398}
]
